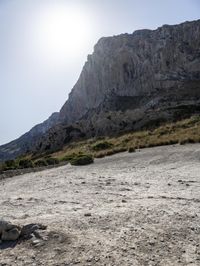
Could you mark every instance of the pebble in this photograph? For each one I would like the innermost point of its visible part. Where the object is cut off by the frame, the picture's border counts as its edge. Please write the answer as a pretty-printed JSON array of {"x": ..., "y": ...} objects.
[{"x": 87, "y": 214}]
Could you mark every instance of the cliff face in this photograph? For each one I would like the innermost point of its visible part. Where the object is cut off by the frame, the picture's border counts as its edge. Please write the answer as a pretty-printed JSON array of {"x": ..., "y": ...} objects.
[
  {"x": 130, "y": 81},
  {"x": 133, "y": 81},
  {"x": 139, "y": 66}
]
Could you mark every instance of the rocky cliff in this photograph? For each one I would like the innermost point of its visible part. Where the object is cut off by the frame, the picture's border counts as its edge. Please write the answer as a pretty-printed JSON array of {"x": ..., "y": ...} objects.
[
  {"x": 138, "y": 66},
  {"x": 129, "y": 82}
]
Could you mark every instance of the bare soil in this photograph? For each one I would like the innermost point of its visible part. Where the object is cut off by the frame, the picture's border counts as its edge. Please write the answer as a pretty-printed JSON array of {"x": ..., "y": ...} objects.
[{"x": 132, "y": 209}]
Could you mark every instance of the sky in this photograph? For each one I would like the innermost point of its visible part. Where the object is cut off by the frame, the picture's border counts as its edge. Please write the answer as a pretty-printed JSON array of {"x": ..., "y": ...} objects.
[{"x": 44, "y": 45}]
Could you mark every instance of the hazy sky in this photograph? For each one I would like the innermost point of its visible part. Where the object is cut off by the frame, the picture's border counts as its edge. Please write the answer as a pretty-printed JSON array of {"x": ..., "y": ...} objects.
[{"x": 44, "y": 44}]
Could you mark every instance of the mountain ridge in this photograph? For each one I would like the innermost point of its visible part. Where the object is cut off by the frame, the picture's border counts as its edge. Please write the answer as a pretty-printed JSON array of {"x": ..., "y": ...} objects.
[{"x": 129, "y": 82}]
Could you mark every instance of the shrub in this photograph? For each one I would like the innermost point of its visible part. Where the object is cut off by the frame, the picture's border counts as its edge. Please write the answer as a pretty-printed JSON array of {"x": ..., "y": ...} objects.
[
  {"x": 185, "y": 141},
  {"x": 40, "y": 163},
  {"x": 25, "y": 163},
  {"x": 182, "y": 141},
  {"x": 52, "y": 161},
  {"x": 173, "y": 141},
  {"x": 10, "y": 164},
  {"x": 131, "y": 149},
  {"x": 2, "y": 167},
  {"x": 103, "y": 145},
  {"x": 82, "y": 159}
]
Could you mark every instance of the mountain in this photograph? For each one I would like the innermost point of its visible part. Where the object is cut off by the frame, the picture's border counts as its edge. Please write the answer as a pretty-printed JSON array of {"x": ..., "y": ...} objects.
[
  {"x": 131, "y": 81},
  {"x": 27, "y": 141}
]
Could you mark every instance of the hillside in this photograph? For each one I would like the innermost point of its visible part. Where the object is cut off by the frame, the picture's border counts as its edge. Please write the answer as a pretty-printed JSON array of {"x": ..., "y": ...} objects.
[
  {"x": 181, "y": 133},
  {"x": 130, "y": 82}
]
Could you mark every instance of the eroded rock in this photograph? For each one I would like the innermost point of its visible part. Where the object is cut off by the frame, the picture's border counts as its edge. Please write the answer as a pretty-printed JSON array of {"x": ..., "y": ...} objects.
[{"x": 9, "y": 231}]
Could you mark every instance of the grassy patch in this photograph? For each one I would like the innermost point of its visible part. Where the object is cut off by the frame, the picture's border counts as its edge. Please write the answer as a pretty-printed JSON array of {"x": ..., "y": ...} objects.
[
  {"x": 82, "y": 159},
  {"x": 52, "y": 161},
  {"x": 103, "y": 145},
  {"x": 40, "y": 163},
  {"x": 10, "y": 164}
]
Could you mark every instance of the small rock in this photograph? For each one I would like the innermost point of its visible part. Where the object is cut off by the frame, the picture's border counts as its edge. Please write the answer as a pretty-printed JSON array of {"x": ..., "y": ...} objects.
[
  {"x": 36, "y": 241},
  {"x": 19, "y": 198},
  {"x": 151, "y": 243},
  {"x": 9, "y": 231},
  {"x": 87, "y": 214},
  {"x": 11, "y": 235}
]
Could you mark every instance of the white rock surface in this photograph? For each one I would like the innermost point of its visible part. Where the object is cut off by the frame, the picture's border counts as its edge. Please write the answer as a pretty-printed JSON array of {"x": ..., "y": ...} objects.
[{"x": 144, "y": 206}]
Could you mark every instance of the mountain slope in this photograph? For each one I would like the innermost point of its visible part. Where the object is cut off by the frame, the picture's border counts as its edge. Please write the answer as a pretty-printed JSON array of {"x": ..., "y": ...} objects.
[
  {"x": 27, "y": 141},
  {"x": 129, "y": 82}
]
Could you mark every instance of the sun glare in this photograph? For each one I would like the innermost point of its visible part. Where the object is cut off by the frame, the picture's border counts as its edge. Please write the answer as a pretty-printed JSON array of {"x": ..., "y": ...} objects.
[{"x": 61, "y": 33}]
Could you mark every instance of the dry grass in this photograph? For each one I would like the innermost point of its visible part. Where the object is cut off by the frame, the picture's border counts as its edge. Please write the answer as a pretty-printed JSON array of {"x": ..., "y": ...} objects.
[{"x": 182, "y": 132}]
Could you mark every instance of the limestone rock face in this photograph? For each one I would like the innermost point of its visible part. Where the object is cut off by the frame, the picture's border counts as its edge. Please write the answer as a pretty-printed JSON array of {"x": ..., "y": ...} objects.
[
  {"x": 130, "y": 81},
  {"x": 133, "y": 81},
  {"x": 133, "y": 70}
]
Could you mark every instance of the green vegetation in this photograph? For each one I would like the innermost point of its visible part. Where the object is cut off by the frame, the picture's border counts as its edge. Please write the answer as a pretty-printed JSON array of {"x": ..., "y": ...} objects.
[
  {"x": 68, "y": 157},
  {"x": 25, "y": 163},
  {"x": 131, "y": 149},
  {"x": 52, "y": 161},
  {"x": 10, "y": 164},
  {"x": 103, "y": 145},
  {"x": 40, "y": 163},
  {"x": 82, "y": 159}
]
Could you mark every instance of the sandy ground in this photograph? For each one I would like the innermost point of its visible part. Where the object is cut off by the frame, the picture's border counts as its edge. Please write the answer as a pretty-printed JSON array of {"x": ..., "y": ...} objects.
[{"x": 129, "y": 209}]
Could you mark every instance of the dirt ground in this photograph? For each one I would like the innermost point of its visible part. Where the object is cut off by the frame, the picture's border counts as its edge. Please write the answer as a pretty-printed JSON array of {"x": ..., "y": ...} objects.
[{"x": 132, "y": 209}]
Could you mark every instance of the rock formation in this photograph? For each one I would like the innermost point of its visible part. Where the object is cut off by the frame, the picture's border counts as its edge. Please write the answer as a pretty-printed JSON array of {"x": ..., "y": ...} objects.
[
  {"x": 9, "y": 231},
  {"x": 130, "y": 81}
]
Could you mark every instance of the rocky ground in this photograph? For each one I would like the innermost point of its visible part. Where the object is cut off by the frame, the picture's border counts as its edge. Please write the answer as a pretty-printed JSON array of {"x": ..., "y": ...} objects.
[{"x": 135, "y": 209}]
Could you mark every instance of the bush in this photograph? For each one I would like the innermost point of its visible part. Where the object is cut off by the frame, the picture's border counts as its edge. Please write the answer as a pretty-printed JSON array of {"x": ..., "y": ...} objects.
[
  {"x": 52, "y": 161},
  {"x": 10, "y": 164},
  {"x": 131, "y": 149},
  {"x": 103, "y": 145},
  {"x": 82, "y": 159},
  {"x": 187, "y": 140},
  {"x": 25, "y": 163},
  {"x": 40, "y": 163}
]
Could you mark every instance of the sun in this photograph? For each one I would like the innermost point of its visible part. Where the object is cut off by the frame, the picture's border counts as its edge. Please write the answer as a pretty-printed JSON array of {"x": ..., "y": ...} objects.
[{"x": 61, "y": 32}]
